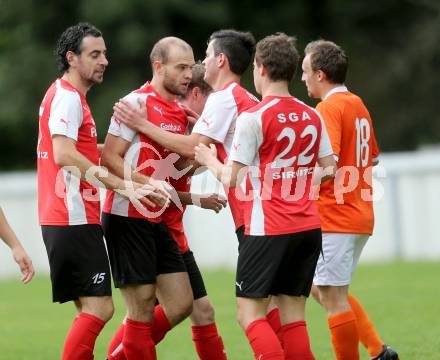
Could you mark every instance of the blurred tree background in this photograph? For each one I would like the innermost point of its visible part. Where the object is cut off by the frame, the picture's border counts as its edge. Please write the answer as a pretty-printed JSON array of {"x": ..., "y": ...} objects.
[{"x": 392, "y": 46}]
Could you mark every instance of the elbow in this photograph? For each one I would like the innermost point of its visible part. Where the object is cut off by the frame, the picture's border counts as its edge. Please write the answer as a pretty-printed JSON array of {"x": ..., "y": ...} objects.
[{"x": 61, "y": 158}]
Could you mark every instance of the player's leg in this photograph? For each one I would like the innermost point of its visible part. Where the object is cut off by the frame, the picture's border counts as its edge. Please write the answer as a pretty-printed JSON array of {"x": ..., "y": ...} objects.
[
  {"x": 368, "y": 336},
  {"x": 332, "y": 277},
  {"x": 131, "y": 247},
  {"x": 207, "y": 341},
  {"x": 258, "y": 261},
  {"x": 292, "y": 284},
  {"x": 139, "y": 301},
  {"x": 173, "y": 287},
  {"x": 80, "y": 272}
]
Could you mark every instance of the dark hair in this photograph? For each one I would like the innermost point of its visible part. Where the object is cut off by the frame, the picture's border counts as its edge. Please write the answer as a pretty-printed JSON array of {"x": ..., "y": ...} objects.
[
  {"x": 198, "y": 74},
  {"x": 71, "y": 40},
  {"x": 278, "y": 54},
  {"x": 238, "y": 47},
  {"x": 329, "y": 58}
]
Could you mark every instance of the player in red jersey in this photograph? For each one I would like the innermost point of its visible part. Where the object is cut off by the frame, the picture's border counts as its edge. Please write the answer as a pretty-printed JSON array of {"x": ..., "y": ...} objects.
[
  {"x": 19, "y": 254},
  {"x": 68, "y": 198},
  {"x": 228, "y": 55},
  {"x": 347, "y": 218},
  {"x": 172, "y": 61},
  {"x": 280, "y": 140}
]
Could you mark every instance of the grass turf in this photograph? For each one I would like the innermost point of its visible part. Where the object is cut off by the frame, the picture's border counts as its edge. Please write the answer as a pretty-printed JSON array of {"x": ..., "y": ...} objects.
[{"x": 402, "y": 299}]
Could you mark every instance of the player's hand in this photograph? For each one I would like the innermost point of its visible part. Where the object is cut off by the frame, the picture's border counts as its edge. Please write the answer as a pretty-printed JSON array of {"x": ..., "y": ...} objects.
[
  {"x": 213, "y": 202},
  {"x": 134, "y": 117},
  {"x": 191, "y": 115},
  {"x": 24, "y": 262},
  {"x": 204, "y": 155}
]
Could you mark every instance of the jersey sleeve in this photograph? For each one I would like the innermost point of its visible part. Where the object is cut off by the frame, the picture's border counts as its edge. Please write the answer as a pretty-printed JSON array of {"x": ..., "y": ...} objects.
[
  {"x": 325, "y": 145},
  {"x": 332, "y": 124},
  {"x": 121, "y": 130},
  {"x": 66, "y": 115},
  {"x": 217, "y": 117},
  {"x": 246, "y": 140}
]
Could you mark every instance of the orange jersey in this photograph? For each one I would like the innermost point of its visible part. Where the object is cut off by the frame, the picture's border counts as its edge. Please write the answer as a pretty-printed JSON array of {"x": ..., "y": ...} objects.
[{"x": 345, "y": 203}]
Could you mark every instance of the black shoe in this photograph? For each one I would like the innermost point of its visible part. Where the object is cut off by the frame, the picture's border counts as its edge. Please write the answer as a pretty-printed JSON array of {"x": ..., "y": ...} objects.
[{"x": 387, "y": 353}]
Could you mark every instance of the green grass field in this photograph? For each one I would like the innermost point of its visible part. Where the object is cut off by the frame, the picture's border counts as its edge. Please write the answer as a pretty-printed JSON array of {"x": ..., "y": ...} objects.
[{"x": 402, "y": 299}]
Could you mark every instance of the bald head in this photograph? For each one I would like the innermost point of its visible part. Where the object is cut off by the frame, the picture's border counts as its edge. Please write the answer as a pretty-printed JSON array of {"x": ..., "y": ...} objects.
[{"x": 161, "y": 50}]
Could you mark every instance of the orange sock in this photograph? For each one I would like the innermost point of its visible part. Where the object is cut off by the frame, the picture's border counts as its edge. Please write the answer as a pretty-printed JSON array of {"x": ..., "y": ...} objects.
[
  {"x": 367, "y": 334},
  {"x": 344, "y": 335}
]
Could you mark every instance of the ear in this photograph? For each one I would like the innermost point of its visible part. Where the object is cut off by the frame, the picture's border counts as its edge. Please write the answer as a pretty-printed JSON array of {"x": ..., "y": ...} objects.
[
  {"x": 70, "y": 57},
  {"x": 321, "y": 75},
  {"x": 157, "y": 66},
  {"x": 195, "y": 92},
  {"x": 221, "y": 60}
]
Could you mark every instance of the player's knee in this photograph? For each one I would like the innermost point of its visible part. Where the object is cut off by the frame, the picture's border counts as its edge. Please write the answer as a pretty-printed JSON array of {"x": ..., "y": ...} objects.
[
  {"x": 203, "y": 312},
  {"x": 104, "y": 308}
]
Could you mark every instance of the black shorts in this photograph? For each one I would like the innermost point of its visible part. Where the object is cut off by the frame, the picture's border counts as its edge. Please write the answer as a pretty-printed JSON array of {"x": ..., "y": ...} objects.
[
  {"x": 78, "y": 261},
  {"x": 139, "y": 250},
  {"x": 279, "y": 264},
  {"x": 240, "y": 233},
  {"x": 195, "y": 276}
]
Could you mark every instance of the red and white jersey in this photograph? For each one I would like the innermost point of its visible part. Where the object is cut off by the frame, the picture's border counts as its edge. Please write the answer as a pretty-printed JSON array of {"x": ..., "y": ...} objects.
[
  {"x": 280, "y": 139},
  {"x": 218, "y": 121},
  {"x": 144, "y": 154},
  {"x": 63, "y": 198},
  {"x": 173, "y": 216}
]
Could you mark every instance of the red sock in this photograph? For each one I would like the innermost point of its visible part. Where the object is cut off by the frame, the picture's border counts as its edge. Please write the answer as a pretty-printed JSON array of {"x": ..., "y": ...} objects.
[
  {"x": 116, "y": 341},
  {"x": 161, "y": 324},
  {"x": 273, "y": 317},
  {"x": 263, "y": 341},
  {"x": 137, "y": 341},
  {"x": 296, "y": 341},
  {"x": 81, "y": 338},
  {"x": 344, "y": 335},
  {"x": 209, "y": 344}
]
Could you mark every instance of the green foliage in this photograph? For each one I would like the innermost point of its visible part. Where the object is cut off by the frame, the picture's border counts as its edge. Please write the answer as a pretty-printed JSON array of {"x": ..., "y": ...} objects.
[
  {"x": 392, "y": 48},
  {"x": 400, "y": 298}
]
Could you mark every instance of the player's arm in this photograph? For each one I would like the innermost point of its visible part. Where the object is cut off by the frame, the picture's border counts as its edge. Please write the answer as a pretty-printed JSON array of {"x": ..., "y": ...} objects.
[
  {"x": 18, "y": 252},
  {"x": 66, "y": 155},
  {"x": 326, "y": 157},
  {"x": 213, "y": 202},
  {"x": 135, "y": 119},
  {"x": 112, "y": 158},
  {"x": 230, "y": 174}
]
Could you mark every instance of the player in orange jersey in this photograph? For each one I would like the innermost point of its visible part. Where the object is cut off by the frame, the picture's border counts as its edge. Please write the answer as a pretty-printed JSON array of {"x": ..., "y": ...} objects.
[{"x": 345, "y": 203}]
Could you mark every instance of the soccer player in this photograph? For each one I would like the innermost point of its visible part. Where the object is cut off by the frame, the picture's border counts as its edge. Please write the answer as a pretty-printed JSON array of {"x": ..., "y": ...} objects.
[
  {"x": 172, "y": 60},
  {"x": 68, "y": 199},
  {"x": 19, "y": 254},
  {"x": 347, "y": 217},
  {"x": 280, "y": 140},
  {"x": 228, "y": 55}
]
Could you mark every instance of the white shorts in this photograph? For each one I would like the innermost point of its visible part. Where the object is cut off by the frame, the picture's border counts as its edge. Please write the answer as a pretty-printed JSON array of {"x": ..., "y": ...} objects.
[{"x": 339, "y": 257}]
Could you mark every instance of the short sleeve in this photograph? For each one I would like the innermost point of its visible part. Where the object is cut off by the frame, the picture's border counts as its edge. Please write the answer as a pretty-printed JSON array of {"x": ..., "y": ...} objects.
[
  {"x": 66, "y": 114},
  {"x": 332, "y": 124},
  {"x": 119, "y": 129},
  {"x": 325, "y": 145},
  {"x": 246, "y": 140},
  {"x": 217, "y": 117}
]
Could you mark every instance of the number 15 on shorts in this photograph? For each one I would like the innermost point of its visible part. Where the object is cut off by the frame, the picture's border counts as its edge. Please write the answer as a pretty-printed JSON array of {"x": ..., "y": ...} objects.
[{"x": 98, "y": 278}]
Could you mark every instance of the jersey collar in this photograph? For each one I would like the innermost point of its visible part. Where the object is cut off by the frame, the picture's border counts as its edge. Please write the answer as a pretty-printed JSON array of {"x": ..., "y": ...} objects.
[{"x": 337, "y": 89}]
